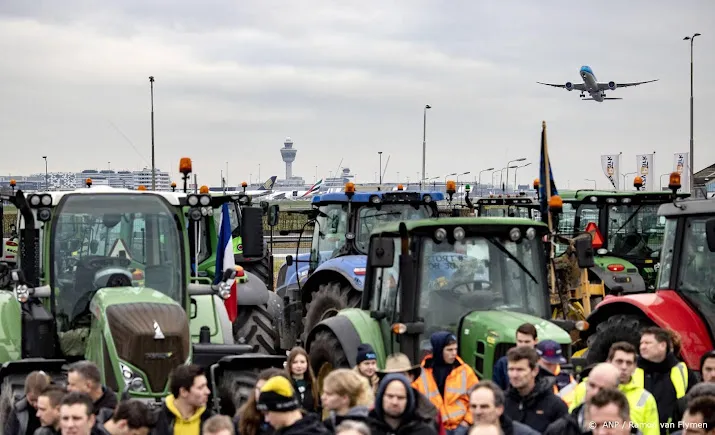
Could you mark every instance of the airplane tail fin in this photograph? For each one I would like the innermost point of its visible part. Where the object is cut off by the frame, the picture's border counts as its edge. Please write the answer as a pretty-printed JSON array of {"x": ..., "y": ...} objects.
[
  {"x": 314, "y": 188},
  {"x": 268, "y": 185}
]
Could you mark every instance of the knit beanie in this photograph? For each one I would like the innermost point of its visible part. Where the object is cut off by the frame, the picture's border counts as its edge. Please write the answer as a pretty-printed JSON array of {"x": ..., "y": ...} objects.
[
  {"x": 365, "y": 353},
  {"x": 277, "y": 395}
]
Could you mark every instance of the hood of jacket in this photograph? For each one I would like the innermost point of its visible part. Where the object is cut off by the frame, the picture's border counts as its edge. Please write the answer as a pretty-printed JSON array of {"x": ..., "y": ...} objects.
[
  {"x": 309, "y": 424},
  {"x": 411, "y": 403}
]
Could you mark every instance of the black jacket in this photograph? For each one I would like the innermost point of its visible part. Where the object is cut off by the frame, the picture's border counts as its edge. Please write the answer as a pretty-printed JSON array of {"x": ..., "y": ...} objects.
[
  {"x": 108, "y": 400},
  {"x": 410, "y": 425},
  {"x": 566, "y": 425},
  {"x": 537, "y": 409},
  {"x": 47, "y": 430},
  {"x": 307, "y": 401},
  {"x": 511, "y": 427},
  {"x": 165, "y": 421},
  {"x": 426, "y": 411},
  {"x": 22, "y": 419},
  {"x": 310, "y": 424},
  {"x": 357, "y": 413},
  {"x": 657, "y": 382}
]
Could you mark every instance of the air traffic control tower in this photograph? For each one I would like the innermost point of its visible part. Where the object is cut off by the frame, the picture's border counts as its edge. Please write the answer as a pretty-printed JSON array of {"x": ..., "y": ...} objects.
[{"x": 288, "y": 155}]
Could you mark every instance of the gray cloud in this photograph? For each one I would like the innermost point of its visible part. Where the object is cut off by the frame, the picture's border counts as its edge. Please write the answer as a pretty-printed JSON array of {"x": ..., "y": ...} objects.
[{"x": 345, "y": 80}]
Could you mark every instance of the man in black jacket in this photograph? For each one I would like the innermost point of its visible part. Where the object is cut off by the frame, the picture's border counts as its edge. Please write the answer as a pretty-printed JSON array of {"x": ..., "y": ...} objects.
[
  {"x": 84, "y": 377},
  {"x": 486, "y": 403},
  {"x": 394, "y": 411},
  {"x": 48, "y": 410},
  {"x": 530, "y": 400}
]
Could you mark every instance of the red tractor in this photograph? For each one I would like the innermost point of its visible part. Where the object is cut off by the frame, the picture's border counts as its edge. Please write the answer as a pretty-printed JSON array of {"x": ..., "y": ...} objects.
[{"x": 684, "y": 300}]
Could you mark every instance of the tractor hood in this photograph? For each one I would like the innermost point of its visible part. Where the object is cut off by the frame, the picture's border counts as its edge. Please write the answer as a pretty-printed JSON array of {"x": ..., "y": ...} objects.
[
  {"x": 145, "y": 329},
  {"x": 501, "y": 326},
  {"x": 352, "y": 267}
]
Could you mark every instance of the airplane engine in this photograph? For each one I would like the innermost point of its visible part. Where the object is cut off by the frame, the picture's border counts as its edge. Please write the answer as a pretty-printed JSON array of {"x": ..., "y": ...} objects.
[
  {"x": 612, "y": 86},
  {"x": 569, "y": 86}
]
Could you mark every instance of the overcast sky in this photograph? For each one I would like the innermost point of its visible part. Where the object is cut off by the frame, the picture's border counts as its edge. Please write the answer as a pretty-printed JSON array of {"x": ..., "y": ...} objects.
[{"x": 346, "y": 79}]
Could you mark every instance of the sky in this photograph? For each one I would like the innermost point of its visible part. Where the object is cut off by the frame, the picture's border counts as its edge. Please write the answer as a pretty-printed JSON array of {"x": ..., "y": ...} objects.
[{"x": 346, "y": 80}]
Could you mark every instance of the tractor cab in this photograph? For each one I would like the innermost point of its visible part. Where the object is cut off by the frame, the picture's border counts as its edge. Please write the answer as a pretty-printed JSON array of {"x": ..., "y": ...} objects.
[
  {"x": 479, "y": 278},
  {"x": 626, "y": 231},
  {"x": 520, "y": 206}
]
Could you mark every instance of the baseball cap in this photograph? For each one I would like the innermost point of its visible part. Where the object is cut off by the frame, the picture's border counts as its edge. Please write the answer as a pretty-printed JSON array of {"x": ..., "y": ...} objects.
[{"x": 550, "y": 351}]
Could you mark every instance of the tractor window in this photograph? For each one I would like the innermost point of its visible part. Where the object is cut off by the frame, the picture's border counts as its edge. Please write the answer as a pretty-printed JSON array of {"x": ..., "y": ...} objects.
[
  {"x": 634, "y": 230},
  {"x": 475, "y": 274},
  {"x": 96, "y": 245},
  {"x": 696, "y": 276},
  {"x": 329, "y": 231},
  {"x": 371, "y": 218},
  {"x": 666, "y": 263}
]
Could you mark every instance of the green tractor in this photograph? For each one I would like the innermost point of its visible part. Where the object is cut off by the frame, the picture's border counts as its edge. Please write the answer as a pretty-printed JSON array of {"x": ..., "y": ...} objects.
[
  {"x": 508, "y": 206},
  {"x": 626, "y": 231},
  {"x": 478, "y": 277},
  {"x": 259, "y": 309},
  {"x": 104, "y": 275}
]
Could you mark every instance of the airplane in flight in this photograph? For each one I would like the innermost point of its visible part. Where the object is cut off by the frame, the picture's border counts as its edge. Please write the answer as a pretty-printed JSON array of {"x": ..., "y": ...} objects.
[{"x": 595, "y": 89}]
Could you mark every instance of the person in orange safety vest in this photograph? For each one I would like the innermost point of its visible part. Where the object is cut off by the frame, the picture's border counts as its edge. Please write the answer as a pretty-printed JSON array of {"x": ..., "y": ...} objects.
[{"x": 445, "y": 381}]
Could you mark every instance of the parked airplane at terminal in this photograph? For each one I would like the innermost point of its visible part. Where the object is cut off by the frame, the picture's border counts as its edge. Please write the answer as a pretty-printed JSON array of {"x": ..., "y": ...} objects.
[
  {"x": 595, "y": 89},
  {"x": 265, "y": 189}
]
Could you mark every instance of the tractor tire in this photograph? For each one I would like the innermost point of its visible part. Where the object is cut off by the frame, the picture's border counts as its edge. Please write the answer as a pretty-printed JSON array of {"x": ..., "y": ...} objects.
[
  {"x": 235, "y": 387},
  {"x": 621, "y": 327},
  {"x": 255, "y": 326},
  {"x": 262, "y": 269},
  {"x": 330, "y": 298},
  {"x": 326, "y": 354}
]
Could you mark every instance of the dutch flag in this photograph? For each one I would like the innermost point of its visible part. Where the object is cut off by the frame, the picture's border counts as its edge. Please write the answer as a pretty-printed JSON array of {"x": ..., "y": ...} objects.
[{"x": 225, "y": 260}]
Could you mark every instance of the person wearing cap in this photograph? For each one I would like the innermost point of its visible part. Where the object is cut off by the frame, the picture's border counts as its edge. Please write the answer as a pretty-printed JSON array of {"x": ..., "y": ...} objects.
[
  {"x": 281, "y": 406},
  {"x": 425, "y": 410},
  {"x": 445, "y": 380},
  {"x": 550, "y": 359},
  {"x": 366, "y": 364}
]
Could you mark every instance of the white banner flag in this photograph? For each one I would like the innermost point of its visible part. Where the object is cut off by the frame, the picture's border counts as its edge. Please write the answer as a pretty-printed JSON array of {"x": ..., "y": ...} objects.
[
  {"x": 611, "y": 169},
  {"x": 644, "y": 164},
  {"x": 681, "y": 165}
]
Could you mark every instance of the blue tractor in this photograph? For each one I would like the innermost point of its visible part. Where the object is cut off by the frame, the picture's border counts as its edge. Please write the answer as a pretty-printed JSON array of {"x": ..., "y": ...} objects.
[{"x": 316, "y": 285}]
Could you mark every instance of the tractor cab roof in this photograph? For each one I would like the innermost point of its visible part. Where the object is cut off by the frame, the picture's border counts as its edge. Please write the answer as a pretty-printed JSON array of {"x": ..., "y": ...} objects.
[
  {"x": 393, "y": 197},
  {"x": 508, "y": 200},
  {"x": 488, "y": 224},
  {"x": 688, "y": 207},
  {"x": 171, "y": 197},
  {"x": 616, "y": 197}
]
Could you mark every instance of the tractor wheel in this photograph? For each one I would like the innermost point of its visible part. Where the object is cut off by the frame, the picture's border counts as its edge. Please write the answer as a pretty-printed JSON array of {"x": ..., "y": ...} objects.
[
  {"x": 327, "y": 301},
  {"x": 326, "y": 355},
  {"x": 235, "y": 387},
  {"x": 256, "y": 326},
  {"x": 262, "y": 269},
  {"x": 622, "y": 327}
]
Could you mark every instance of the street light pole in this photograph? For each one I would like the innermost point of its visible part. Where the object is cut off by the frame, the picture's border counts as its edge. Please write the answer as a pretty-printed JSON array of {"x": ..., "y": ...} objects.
[
  {"x": 480, "y": 180},
  {"x": 516, "y": 182},
  {"x": 424, "y": 143},
  {"x": 379, "y": 153},
  {"x": 594, "y": 182},
  {"x": 692, "y": 142},
  {"x": 47, "y": 187},
  {"x": 153, "y": 161},
  {"x": 507, "y": 170}
]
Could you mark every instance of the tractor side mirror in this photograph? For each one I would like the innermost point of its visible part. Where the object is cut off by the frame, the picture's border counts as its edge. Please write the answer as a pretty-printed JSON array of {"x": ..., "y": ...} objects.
[
  {"x": 382, "y": 252},
  {"x": 13, "y": 230},
  {"x": 710, "y": 233},
  {"x": 252, "y": 232},
  {"x": 289, "y": 260},
  {"x": 584, "y": 252},
  {"x": 264, "y": 206},
  {"x": 273, "y": 215}
]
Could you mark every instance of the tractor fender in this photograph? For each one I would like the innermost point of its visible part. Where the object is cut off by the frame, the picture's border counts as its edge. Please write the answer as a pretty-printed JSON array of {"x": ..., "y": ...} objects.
[
  {"x": 300, "y": 266},
  {"x": 666, "y": 309},
  {"x": 24, "y": 367},
  {"x": 611, "y": 279},
  {"x": 252, "y": 292},
  {"x": 352, "y": 327}
]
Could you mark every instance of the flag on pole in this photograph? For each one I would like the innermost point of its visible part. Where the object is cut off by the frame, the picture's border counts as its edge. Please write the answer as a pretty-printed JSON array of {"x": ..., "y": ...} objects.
[
  {"x": 545, "y": 174},
  {"x": 225, "y": 260}
]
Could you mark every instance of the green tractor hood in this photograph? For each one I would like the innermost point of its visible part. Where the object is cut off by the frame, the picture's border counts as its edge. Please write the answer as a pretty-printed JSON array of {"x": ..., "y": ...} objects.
[
  {"x": 140, "y": 335},
  {"x": 486, "y": 336}
]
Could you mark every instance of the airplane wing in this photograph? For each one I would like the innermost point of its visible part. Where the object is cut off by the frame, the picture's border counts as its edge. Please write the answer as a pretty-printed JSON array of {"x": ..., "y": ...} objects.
[
  {"x": 606, "y": 86},
  {"x": 576, "y": 86}
]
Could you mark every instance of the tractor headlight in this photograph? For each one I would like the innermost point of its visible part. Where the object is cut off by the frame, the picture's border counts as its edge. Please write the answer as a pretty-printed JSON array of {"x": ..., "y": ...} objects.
[
  {"x": 302, "y": 274},
  {"x": 34, "y": 200},
  {"x": 192, "y": 200},
  {"x": 427, "y": 198},
  {"x": 132, "y": 381},
  {"x": 514, "y": 234},
  {"x": 530, "y": 234},
  {"x": 458, "y": 233},
  {"x": 22, "y": 293},
  {"x": 205, "y": 200}
]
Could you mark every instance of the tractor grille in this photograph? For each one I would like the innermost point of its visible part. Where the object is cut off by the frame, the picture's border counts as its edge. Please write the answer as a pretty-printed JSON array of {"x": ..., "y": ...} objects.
[{"x": 132, "y": 328}]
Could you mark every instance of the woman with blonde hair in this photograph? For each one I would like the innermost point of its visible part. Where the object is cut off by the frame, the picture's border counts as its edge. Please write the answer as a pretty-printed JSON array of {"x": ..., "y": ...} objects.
[
  {"x": 347, "y": 396},
  {"x": 301, "y": 374}
]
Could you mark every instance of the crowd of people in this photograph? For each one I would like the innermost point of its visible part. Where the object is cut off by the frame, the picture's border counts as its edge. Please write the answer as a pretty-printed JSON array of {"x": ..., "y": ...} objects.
[{"x": 644, "y": 391}]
